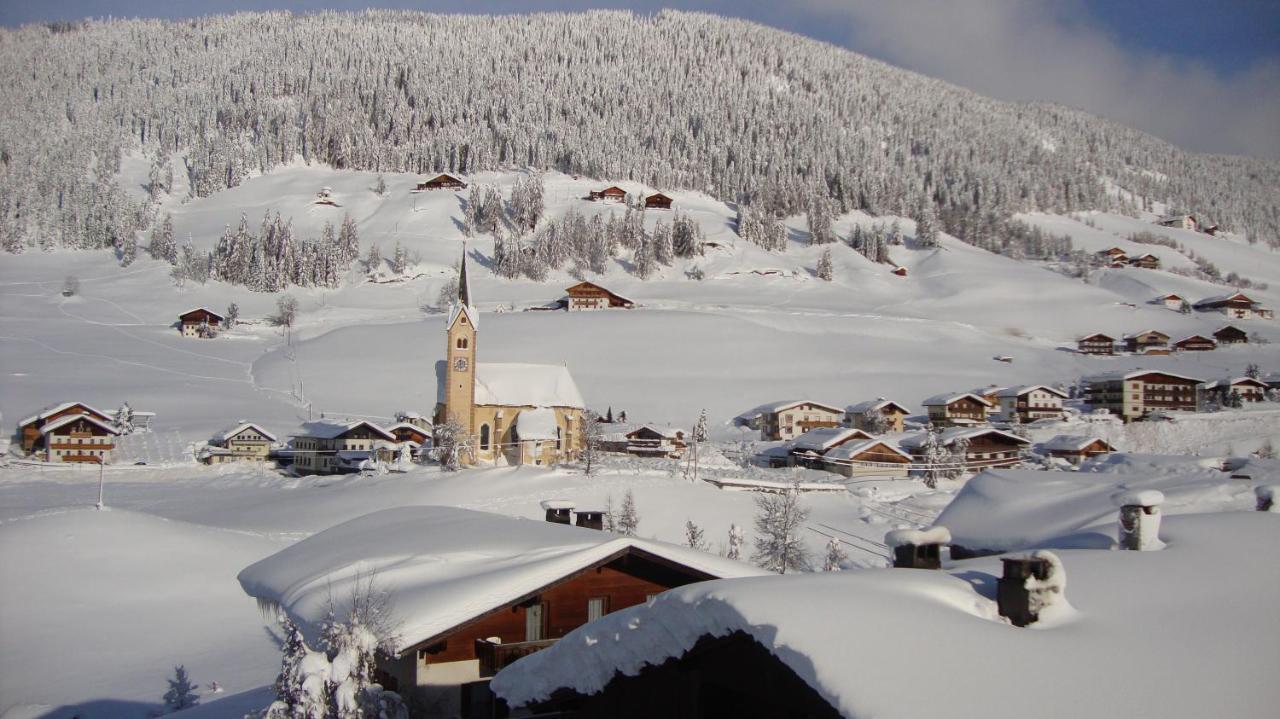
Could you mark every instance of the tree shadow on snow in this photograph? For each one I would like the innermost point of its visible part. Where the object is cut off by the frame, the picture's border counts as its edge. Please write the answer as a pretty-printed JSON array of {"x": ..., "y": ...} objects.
[
  {"x": 103, "y": 709},
  {"x": 982, "y": 582}
]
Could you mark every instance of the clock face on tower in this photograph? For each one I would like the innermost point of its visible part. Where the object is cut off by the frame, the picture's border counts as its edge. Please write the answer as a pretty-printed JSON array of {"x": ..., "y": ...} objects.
[{"x": 460, "y": 364}]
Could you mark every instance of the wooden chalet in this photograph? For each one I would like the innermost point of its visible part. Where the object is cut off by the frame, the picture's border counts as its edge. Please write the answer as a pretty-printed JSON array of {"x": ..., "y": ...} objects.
[
  {"x": 30, "y": 437},
  {"x": 200, "y": 322},
  {"x": 856, "y": 415},
  {"x": 1096, "y": 344},
  {"x": 1136, "y": 394},
  {"x": 1250, "y": 389},
  {"x": 612, "y": 193},
  {"x": 1172, "y": 301},
  {"x": 1236, "y": 305},
  {"x": 1031, "y": 402},
  {"x": 1195, "y": 343},
  {"x": 1076, "y": 448},
  {"x": 651, "y": 441},
  {"x": 241, "y": 442},
  {"x": 331, "y": 447},
  {"x": 808, "y": 449},
  {"x": 78, "y": 438},
  {"x": 475, "y": 591},
  {"x": 790, "y": 419},
  {"x": 1230, "y": 335},
  {"x": 657, "y": 201},
  {"x": 984, "y": 447},
  {"x": 442, "y": 182},
  {"x": 590, "y": 296},
  {"x": 957, "y": 409},
  {"x": 867, "y": 458},
  {"x": 410, "y": 432},
  {"x": 1115, "y": 257},
  {"x": 1146, "y": 340},
  {"x": 1146, "y": 261}
]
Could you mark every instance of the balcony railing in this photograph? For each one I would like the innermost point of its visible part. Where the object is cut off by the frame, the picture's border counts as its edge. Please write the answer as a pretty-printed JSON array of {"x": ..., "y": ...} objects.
[{"x": 495, "y": 657}]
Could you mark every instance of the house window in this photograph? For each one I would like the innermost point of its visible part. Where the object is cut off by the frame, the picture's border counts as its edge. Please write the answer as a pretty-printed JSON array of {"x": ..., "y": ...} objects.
[
  {"x": 597, "y": 607},
  {"x": 534, "y": 621},
  {"x": 484, "y": 436}
]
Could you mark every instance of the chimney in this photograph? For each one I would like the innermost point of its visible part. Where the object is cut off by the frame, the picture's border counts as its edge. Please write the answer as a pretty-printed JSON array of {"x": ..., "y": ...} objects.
[
  {"x": 1266, "y": 495},
  {"x": 558, "y": 510},
  {"x": 590, "y": 519},
  {"x": 1139, "y": 519},
  {"x": 918, "y": 549},
  {"x": 1029, "y": 585}
]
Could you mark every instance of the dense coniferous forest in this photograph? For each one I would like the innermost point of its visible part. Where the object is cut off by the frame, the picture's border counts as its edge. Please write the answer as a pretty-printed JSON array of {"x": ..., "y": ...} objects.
[{"x": 770, "y": 120}]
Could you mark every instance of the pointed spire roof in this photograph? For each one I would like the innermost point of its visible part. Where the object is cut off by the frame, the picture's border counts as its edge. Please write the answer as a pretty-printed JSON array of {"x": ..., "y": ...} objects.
[
  {"x": 464, "y": 282},
  {"x": 463, "y": 305}
]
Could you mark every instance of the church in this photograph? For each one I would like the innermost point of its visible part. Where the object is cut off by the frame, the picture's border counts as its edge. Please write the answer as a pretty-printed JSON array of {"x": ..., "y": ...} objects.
[{"x": 514, "y": 413}]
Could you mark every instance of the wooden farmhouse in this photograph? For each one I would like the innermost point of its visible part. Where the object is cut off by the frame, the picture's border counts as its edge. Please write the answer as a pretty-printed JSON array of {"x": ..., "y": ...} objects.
[
  {"x": 957, "y": 409},
  {"x": 657, "y": 201},
  {"x": 474, "y": 591},
  {"x": 1195, "y": 343},
  {"x": 1115, "y": 257},
  {"x": 1181, "y": 222},
  {"x": 867, "y": 458},
  {"x": 241, "y": 442},
  {"x": 808, "y": 449},
  {"x": 612, "y": 194},
  {"x": 590, "y": 296},
  {"x": 1096, "y": 344},
  {"x": 78, "y": 438},
  {"x": 29, "y": 430},
  {"x": 787, "y": 420},
  {"x": 410, "y": 432},
  {"x": 332, "y": 447},
  {"x": 859, "y": 415},
  {"x": 512, "y": 412},
  {"x": 1145, "y": 341},
  {"x": 991, "y": 393},
  {"x": 653, "y": 441},
  {"x": 200, "y": 322},
  {"x": 1134, "y": 395},
  {"x": 1031, "y": 402},
  {"x": 984, "y": 447},
  {"x": 1171, "y": 301},
  {"x": 442, "y": 182},
  {"x": 1230, "y": 335},
  {"x": 1076, "y": 448},
  {"x": 1237, "y": 305},
  {"x": 1249, "y": 389},
  {"x": 1146, "y": 261}
]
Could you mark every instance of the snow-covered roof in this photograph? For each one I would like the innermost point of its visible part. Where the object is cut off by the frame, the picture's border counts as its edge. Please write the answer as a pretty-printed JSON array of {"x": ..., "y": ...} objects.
[
  {"x": 850, "y": 450},
  {"x": 64, "y": 421},
  {"x": 1232, "y": 381},
  {"x": 903, "y": 537},
  {"x": 56, "y": 409},
  {"x": 526, "y": 385},
  {"x": 235, "y": 429},
  {"x": 1195, "y": 337},
  {"x": 1122, "y": 375},
  {"x": 446, "y": 566},
  {"x": 664, "y": 432},
  {"x": 1135, "y": 335},
  {"x": 537, "y": 423},
  {"x": 201, "y": 309},
  {"x": 874, "y": 404},
  {"x": 945, "y": 399},
  {"x": 824, "y": 438},
  {"x": 1009, "y": 392},
  {"x": 953, "y": 434},
  {"x": 1071, "y": 442},
  {"x": 775, "y": 407},
  {"x": 331, "y": 429},
  {"x": 866, "y": 640},
  {"x": 409, "y": 426},
  {"x": 1223, "y": 298}
]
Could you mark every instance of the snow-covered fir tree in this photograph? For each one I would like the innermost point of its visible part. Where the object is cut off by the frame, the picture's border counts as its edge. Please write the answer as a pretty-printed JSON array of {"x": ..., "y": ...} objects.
[
  {"x": 182, "y": 693},
  {"x": 590, "y": 442},
  {"x": 825, "y": 269},
  {"x": 780, "y": 518},
  {"x": 233, "y": 314},
  {"x": 629, "y": 519}
]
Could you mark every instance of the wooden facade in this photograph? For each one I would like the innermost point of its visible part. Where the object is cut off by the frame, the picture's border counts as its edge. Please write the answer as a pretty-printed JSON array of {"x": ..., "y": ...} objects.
[
  {"x": 442, "y": 182},
  {"x": 1236, "y": 305},
  {"x": 1195, "y": 343},
  {"x": 200, "y": 322},
  {"x": 1134, "y": 395},
  {"x": 1077, "y": 452},
  {"x": 729, "y": 676},
  {"x": 657, "y": 201},
  {"x": 965, "y": 409},
  {"x": 855, "y": 415},
  {"x": 1031, "y": 403},
  {"x": 1096, "y": 344},
  {"x": 317, "y": 452},
  {"x": 1146, "y": 262},
  {"x": 1231, "y": 335},
  {"x": 78, "y": 438},
  {"x": 32, "y": 440},
  {"x": 650, "y": 442},
  {"x": 590, "y": 296},
  {"x": 612, "y": 193},
  {"x": 785, "y": 421},
  {"x": 1146, "y": 340},
  {"x": 1249, "y": 389}
]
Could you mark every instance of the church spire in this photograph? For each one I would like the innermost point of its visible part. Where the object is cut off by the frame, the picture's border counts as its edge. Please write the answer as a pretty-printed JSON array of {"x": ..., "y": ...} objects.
[{"x": 464, "y": 282}]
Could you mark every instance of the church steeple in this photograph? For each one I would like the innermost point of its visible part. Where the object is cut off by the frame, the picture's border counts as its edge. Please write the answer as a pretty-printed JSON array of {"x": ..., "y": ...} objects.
[
  {"x": 464, "y": 281},
  {"x": 460, "y": 356}
]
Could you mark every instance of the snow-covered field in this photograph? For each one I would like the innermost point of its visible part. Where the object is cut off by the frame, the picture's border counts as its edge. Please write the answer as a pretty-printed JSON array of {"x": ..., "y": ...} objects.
[{"x": 96, "y": 608}]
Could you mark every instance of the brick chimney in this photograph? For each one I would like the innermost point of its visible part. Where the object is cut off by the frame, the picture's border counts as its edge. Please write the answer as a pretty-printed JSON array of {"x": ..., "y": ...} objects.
[{"x": 1029, "y": 585}]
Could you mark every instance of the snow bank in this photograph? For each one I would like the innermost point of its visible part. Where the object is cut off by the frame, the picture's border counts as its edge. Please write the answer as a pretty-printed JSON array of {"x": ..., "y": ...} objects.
[
  {"x": 1139, "y": 498},
  {"x": 1131, "y": 630},
  {"x": 917, "y": 537}
]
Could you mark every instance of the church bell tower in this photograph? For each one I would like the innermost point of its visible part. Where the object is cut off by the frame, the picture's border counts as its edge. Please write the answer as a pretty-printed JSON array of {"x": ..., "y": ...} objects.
[{"x": 460, "y": 356}]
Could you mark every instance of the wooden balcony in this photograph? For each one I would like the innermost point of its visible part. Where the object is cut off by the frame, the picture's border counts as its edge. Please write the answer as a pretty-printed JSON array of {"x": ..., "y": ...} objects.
[{"x": 495, "y": 657}]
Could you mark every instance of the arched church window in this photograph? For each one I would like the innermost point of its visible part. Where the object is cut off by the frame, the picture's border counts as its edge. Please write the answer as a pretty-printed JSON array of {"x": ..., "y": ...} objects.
[
  {"x": 484, "y": 436},
  {"x": 463, "y": 343}
]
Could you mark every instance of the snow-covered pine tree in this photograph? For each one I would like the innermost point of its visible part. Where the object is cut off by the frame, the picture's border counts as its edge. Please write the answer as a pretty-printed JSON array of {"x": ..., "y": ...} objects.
[
  {"x": 836, "y": 556},
  {"x": 380, "y": 185},
  {"x": 286, "y": 310},
  {"x": 128, "y": 250},
  {"x": 819, "y": 217},
  {"x": 373, "y": 259},
  {"x": 590, "y": 441},
  {"x": 926, "y": 225},
  {"x": 400, "y": 259},
  {"x": 163, "y": 246},
  {"x": 779, "y": 520},
  {"x": 181, "y": 694},
  {"x": 736, "y": 538},
  {"x": 875, "y": 421},
  {"x": 959, "y": 457},
  {"x": 1253, "y": 371},
  {"x": 663, "y": 252},
  {"x": 693, "y": 536},
  {"x": 233, "y": 314},
  {"x": 645, "y": 262},
  {"x": 450, "y": 444},
  {"x": 610, "y": 521},
  {"x": 629, "y": 520},
  {"x": 825, "y": 269},
  {"x": 348, "y": 241}
]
